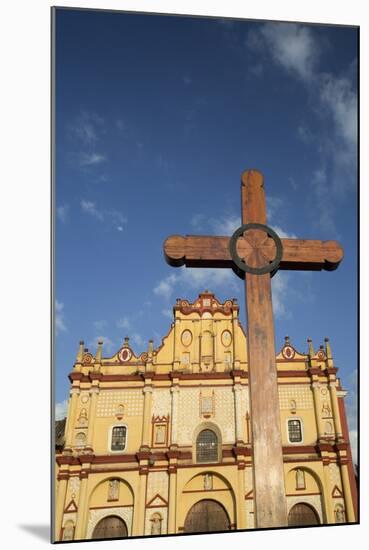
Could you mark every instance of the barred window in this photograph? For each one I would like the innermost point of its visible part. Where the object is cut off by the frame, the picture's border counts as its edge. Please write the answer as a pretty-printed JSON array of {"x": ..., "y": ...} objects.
[
  {"x": 118, "y": 438},
  {"x": 207, "y": 447},
  {"x": 294, "y": 431}
]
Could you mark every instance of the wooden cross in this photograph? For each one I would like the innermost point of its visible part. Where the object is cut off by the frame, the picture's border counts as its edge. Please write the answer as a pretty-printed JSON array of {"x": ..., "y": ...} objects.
[{"x": 255, "y": 252}]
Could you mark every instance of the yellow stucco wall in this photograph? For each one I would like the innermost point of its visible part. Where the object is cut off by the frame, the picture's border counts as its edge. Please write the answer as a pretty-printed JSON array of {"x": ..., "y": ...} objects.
[{"x": 197, "y": 379}]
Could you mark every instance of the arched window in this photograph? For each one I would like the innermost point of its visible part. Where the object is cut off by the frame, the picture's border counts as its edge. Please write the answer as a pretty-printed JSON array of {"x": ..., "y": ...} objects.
[
  {"x": 294, "y": 431},
  {"x": 207, "y": 447},
  {"x": 118, "y": 438}
]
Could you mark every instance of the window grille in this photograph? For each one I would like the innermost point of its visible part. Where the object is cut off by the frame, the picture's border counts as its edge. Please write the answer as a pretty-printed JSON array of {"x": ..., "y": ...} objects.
[
  {"x": 294, "y": 431},
  {"x": 207, "y": 447},
  {"x": 118, "y": 438}
]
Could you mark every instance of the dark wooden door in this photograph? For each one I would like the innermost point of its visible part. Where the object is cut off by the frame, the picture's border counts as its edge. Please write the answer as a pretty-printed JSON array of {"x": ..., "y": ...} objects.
[
  {"x": 302, "y": 514},
  {"x": 206, "y": 516},
  {"x": 109, "y": 528}
]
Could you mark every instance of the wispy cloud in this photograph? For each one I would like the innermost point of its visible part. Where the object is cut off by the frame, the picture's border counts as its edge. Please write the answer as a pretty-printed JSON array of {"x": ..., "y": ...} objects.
[
  {"x": 90, "y": 159},
  {"x": 59, "y": 317},
  {"x": 281, "y": 289},
  {"x": 62, "y": 212},
  {"x": 165, "y": 287},
  {"x": 137, "y": 339},
  {"x": 109, "y": 345},
  {"x": 87, "y": 127},
  {"x": 112, "y": 217},
  {"x": 99, "y": 325},
  {"x": 123, "y": 322},
  {"x": 61, "y": 409},
  {"x": 297, "y": 50},
  {"x": 90, "y": 208}
]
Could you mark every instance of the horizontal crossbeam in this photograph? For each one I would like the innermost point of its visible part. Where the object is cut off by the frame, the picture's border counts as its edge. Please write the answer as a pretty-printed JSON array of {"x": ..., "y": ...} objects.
[{"x": 209, "y": 251}]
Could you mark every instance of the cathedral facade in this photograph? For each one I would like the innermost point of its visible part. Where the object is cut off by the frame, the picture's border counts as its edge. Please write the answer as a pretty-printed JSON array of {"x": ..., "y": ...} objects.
[{"x": 161, "y": 443}]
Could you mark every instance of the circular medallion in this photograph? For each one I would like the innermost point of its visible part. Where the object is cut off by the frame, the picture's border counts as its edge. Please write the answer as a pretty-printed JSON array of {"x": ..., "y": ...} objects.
[
  {"x": 124, "y": 355},
  {"x": 84, "y": 398},
  {"x": 256, "y": 248},
  {"x": 87, "y": 358},
  {"x": 321, "y": 355},
  {"x": 226, "y": 338},
  {"x": 288, "y": 352},
  {"x": 186, "y": 337}
]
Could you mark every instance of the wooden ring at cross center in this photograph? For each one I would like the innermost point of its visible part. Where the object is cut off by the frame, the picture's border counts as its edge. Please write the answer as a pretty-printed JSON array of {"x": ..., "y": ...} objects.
[{"x": 257, "y": 242}]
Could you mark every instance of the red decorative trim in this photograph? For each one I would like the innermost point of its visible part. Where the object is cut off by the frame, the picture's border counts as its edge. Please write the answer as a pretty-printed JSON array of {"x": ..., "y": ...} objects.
[
  {"x": 150, "y": 505},
  {"x": 336, "y": 492},
  {"x": 249, "y": 495},
  {"x": 72, "y": 507},
  {"x": 350, "y": 467}
]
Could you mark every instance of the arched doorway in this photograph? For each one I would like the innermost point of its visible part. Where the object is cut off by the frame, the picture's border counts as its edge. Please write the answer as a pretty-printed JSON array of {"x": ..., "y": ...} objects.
[
  {"x": 302, "y": 514},
  {"x": 206, "y": 516},
  {"x": 110, "y": 527}
]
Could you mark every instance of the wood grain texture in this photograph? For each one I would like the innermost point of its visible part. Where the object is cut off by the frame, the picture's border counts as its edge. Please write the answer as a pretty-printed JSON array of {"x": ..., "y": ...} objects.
[{"x": 209, "y": 251}]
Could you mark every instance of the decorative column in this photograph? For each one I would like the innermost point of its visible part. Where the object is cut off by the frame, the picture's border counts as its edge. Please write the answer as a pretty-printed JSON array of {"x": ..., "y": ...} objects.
[
  {"x": 350, "y": 512},
  {"x": 241, "y": 515},
  {"x": 94, "y": 392},
  {"x": 236, "y": 350},
  {"x": 140, "y": 506},
  {"x": 172, "y": 505},
  {"x": 316, "y": 399},
  {"x": 327, "y": 493},
  {"x": 175, "y": 399},
  {"x": 336, "y": 412},
  {"x": 196, "y": 346},
  {"x": 237, "y": 390},
  {"x": 60, "y": 503},
  {"x": 146, "y": 427},
  {"x": 72, "y": 411},
  {"x": 82, "y": 506}
]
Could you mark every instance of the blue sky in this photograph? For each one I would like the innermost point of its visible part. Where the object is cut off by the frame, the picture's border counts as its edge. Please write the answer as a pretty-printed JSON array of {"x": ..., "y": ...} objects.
[{"x": 156, "y": 118}]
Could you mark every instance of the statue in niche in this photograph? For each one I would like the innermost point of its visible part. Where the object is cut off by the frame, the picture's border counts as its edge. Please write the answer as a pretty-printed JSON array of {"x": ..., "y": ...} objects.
[
  {"x": 156, "y": 520},
  {"x": 160, "y": 434},
  {"x": 339, "y": 513},
  {"x": 81, "y": 439},
  {"x": 326, "y": 411},
  {"x": 293, "y": 406},
  {"x": 328, "y": 428},
  {"x": 113, "y": 492},
  {"x": 82, "y": 419},
  {"x": 300, "y": 479},
  {"x": 208, "y": 482},
  {"x": 68, "y": 530}
]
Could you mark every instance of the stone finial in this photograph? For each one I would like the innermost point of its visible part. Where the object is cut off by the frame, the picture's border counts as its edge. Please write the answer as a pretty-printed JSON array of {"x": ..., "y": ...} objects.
[
  {"x": 80, "y": 351},
  {"x": 311, "y": 347},
  {"x": 328, "y": 348},
  {"x": 151, "y": 346},
  {"x": 126, "y": 341},
  {"x": 99, "y": 350},
  {"x": 287, "y": 340}
]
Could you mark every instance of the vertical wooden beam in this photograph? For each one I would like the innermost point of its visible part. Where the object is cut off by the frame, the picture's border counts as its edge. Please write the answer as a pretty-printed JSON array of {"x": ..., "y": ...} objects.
[{"x": 269, "y": 487}]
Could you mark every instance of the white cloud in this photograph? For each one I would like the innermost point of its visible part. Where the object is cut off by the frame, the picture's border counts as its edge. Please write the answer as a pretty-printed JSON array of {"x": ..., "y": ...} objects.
[
  {"x": 59, "y": 317},
  {"x": 281, "y": 289},
  {"x": 293, "y": 46},
  {"x": 87, "y": 127},
  {"x": 165, "y": 287},
  {"x": 90, "y": 208},
  {"x": 282, "y": 233},
  {"x": 99, "y": 325},
  {"x": 225, "y": 225},
  {"x": 123, "y": 322},
  {"x": 62, "y": 212},
  {"x": 89, "y": 159},
  {"x": 137, "y": 339},
  {"x": 167, "y": 313},
  {"x": 108, "y": 344},
  {"x": 61, "y": 409}
]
